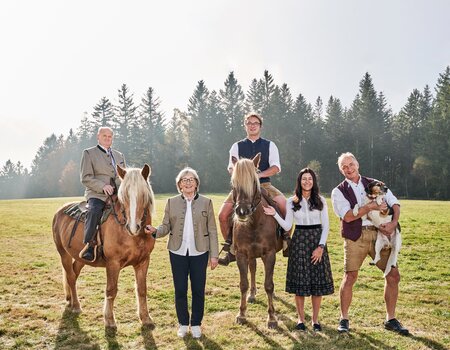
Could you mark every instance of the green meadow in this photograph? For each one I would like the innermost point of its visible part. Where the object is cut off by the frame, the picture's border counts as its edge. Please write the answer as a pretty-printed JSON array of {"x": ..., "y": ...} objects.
[{"x": 33, "y": 314}]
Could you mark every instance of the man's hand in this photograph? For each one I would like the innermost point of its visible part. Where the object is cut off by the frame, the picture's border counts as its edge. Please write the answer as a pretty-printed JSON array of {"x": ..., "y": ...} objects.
[
  {"x": 373, "y": 205},
  {"x": 388, "y": 228},
  {"x": 108, "y": 189}
]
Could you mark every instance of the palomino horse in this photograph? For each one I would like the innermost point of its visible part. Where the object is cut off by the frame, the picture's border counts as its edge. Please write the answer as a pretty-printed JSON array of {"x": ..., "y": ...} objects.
[
  {"x": 254, "y": 234},
  {"x": 124, "y": 243}
]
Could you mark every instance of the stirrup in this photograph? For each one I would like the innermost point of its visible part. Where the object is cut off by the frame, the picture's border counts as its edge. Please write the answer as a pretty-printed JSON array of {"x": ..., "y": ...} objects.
[
  {"x": 226, "y": 245},
  {"x": 88, "y": 255}
]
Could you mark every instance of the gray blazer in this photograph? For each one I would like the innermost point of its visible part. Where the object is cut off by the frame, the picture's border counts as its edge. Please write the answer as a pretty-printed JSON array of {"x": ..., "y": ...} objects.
[
  {"x": 205, "y": 231},
  {"x": 97, "y": 170}
]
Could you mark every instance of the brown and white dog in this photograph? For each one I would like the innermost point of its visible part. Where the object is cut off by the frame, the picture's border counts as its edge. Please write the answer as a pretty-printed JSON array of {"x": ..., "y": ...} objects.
[{"x": 376, "y": 190}]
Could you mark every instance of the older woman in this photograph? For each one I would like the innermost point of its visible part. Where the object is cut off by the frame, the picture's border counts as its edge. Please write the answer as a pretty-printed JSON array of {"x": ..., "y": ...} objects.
[
  {"x": 309, "y": 269},
  {"x": 189, "y": 219}
]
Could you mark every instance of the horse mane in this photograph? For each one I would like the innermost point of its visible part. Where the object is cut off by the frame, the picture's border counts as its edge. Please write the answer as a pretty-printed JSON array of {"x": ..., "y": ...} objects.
[
  {"x": 134, "y": 184},
  {"x": 244, "y": 177}
]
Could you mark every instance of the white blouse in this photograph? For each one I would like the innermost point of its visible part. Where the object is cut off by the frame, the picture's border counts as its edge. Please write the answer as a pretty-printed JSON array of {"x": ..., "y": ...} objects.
[{"x": 307, "y": 217}]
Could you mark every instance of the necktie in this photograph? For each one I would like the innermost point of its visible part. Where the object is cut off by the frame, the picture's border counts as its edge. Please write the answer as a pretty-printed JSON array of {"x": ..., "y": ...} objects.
[{"x": 113, "y": 161}]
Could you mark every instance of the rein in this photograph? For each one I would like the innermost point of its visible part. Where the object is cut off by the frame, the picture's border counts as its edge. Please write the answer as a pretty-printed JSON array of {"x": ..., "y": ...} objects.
[{"x": 255, "y": 201}]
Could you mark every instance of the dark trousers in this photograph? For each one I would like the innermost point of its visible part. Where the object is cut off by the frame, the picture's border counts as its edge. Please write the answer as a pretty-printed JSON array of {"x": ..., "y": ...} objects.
[
  {"x": 195, "y": 268},
  {"x": 93, "y": 216}
]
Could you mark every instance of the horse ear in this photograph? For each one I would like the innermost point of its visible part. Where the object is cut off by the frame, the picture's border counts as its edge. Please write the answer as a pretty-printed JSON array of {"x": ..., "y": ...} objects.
[
  {"x": 234, "y": 160},
  {"x": 256, "y": 160},
  {"x": 146, "y": 171},
  {"x": 122, "y": 172}
]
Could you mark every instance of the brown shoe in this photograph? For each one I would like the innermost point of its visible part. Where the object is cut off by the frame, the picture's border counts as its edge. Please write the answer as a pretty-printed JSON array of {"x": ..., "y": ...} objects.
[{"x": 227, "y": 259}]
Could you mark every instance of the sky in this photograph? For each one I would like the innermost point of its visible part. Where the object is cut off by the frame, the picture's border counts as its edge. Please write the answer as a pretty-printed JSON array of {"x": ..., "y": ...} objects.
[{"x": 59, "y": 58}]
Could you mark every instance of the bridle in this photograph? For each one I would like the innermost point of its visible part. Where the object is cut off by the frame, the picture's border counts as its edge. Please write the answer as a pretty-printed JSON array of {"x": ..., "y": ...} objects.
[
  {"x": 254, "y": 204},
  {"x": 113, "y": 199}
]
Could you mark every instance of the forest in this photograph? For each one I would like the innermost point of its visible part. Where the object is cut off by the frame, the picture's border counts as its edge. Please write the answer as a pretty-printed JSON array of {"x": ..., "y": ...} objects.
[{"x": 409, "y": 149}]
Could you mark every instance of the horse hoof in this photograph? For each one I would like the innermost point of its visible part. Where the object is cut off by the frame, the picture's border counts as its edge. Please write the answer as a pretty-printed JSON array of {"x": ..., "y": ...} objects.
[
  {"x": 272, "y": 324},
  {"x": 148, "y": 325},
  {"x": 76, "y": 310},
  {"x": 241, "y": 320},
  {"x": 251, "y": 299}
]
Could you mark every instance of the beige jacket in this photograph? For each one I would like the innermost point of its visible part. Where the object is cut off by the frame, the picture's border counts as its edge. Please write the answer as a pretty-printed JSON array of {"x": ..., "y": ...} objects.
[
  {"x": 97, "y": 170},
  {"x": 205, "y": 231}
]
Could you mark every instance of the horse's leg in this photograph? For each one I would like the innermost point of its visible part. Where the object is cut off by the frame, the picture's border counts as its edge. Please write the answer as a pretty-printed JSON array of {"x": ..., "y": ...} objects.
[
  {"x": 269, "y": 265},
  {"x": 252, "y": 295},
  {"x": 140, "y": 272},
  {"x": 242, "y": 263},
  {"x": 112, "y": 276},
  {"x": 69, "y": 281}
]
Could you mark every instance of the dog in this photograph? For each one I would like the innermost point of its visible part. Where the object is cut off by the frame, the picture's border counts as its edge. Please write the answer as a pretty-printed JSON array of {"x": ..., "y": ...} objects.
[{"x": 375, "y": 191}]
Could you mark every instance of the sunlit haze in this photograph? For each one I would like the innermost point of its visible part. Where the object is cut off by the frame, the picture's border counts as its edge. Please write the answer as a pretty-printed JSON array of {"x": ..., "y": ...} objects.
[{"x": 58, "y": 58}]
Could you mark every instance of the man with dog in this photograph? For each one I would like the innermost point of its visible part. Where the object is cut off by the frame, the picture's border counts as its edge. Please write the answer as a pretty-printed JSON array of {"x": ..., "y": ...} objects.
[
  {"x": 99, "y": 175},
  {"x": 360, "y": 236}
]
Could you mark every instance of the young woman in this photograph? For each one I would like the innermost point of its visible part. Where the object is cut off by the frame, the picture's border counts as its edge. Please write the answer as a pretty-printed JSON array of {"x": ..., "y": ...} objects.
[{"x": 309, "y": 270}]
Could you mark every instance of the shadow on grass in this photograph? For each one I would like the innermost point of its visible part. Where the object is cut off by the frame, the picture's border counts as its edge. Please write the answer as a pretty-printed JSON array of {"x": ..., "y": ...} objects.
[
  {"x": 273, "y": 344},
  {"x": 147, "y": 335},
  {"x": 70, "y": 335},
  {"x": 429, "y": 343}
]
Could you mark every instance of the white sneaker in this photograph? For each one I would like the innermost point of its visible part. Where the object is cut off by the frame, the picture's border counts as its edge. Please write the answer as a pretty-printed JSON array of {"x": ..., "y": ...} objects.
[
  {"x": 182, "y": 331},
  {"x": 196, "y": 331}
]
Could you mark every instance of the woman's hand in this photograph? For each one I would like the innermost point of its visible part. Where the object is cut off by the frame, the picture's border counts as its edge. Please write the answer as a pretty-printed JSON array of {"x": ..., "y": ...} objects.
[
  {"x": 316, "y": 256},
  {"x": 149, "y": 229},
  {"x": 214, "y": 262},
  {"x": 269, "y": 210}
]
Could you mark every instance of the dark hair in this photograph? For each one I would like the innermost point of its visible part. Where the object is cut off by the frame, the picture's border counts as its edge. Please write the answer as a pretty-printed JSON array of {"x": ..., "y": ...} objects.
[{"x": 314, "y": 200}]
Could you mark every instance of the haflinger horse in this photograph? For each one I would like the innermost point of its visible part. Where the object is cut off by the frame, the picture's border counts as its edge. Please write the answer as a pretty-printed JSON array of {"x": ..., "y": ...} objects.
[
  {"x": 124, "y": 243},
  {"x": 254, "y": 235}
]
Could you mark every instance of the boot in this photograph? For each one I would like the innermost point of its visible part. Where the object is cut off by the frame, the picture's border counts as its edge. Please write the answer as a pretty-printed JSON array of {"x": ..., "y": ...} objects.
[
  {"x": 226, "y": 245},
  {"x": 93, "y": 216},
  {"x": 225, "y": 261},
  {"x": 89, "y": 252}
]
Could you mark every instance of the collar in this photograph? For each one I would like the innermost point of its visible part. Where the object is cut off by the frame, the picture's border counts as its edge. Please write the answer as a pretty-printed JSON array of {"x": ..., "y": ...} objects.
[
  {"x": 103, "y": 149},
  {"x": 350, "y": 182},
  {"x": 259, "y": 138},
  {"x": 195, "y": 197}
]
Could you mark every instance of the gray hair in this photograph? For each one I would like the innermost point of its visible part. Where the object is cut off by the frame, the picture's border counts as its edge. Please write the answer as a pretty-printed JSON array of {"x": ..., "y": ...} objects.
[
  {"x": 343, "y": 156},
  {"x": 183, "y": 173},
  {"x": 104, "y": 128}
]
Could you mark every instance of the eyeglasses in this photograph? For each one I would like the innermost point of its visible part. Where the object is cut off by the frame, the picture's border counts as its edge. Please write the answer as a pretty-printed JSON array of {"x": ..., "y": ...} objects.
[
  {"x": 252, "y": 123},
  {"x": 187, "y": 180}
]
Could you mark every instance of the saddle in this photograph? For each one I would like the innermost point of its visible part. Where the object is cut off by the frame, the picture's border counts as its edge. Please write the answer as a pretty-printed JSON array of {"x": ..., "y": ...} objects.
[{"x": 78, "y": 211}]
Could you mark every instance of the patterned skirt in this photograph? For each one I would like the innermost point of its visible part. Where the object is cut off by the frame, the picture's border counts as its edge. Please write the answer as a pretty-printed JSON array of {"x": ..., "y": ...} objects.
[{"x": 303, "y": 278}]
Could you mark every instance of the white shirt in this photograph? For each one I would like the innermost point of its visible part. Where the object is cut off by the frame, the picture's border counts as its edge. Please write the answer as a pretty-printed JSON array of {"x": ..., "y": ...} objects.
[
  {"x": 341, "y": 205},
  {"x": 274, "y": 155},
  {"x": 307, "y": 217},
  {"x": 188, "y": 243}
]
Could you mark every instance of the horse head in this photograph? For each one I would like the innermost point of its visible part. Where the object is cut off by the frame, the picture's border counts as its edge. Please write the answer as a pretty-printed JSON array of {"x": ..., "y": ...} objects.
[
  {"x": 246, "y": 188},
  {"x": 136, "y": 197}
]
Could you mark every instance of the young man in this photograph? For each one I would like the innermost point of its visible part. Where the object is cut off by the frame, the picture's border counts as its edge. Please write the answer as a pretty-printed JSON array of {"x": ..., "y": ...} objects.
[
  {"x": 360, "y": 236},
  {"x": 98, "y": 168},
  {"x": 268, "y": 166}
]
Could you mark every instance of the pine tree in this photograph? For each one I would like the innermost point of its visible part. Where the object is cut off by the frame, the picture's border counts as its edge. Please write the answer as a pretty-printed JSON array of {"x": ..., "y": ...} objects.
[
  {"x": 232, "y": 104},
  {"x": 124, "y": 119},
  {"x": 153, "y": 135},
  {"x": 103, "y": 114}
]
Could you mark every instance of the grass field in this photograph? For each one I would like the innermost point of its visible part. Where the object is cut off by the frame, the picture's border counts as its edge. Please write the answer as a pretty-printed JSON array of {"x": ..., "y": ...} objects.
[{"x": 33, "y": 315}]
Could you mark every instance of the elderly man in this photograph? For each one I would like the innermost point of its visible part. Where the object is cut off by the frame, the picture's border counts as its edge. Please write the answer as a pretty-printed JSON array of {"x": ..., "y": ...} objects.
[
  {"x": 360, "y": 236},
  {"x": 269, "y": 166},
  {"x": 99, "y": 176}
]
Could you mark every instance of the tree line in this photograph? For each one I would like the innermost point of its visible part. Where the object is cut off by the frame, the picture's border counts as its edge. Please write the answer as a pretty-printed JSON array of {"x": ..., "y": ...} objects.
[{"x": 408, "y": 150}]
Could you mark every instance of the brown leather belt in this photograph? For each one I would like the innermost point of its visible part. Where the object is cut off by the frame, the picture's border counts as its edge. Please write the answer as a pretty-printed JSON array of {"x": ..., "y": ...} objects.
[{"x": 369, "y": 227}]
